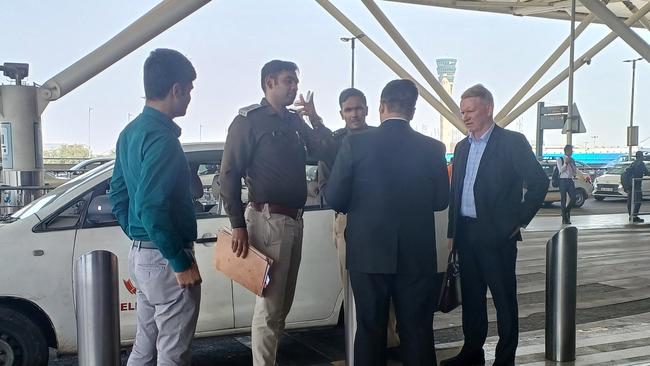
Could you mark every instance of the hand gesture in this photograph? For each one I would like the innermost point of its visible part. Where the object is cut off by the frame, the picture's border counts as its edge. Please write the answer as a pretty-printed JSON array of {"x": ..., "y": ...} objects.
[{"x": 308, "y": 109}]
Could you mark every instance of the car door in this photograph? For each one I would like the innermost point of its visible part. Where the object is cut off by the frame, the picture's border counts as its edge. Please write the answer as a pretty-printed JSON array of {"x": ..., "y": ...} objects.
[
  {"x": 101, "y": 231},
  {"x": 318, "y": 288}
]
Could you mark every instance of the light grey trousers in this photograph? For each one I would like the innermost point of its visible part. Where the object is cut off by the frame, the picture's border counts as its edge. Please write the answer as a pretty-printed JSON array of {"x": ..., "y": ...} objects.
[
  {"x": 279, "y": 237},
  {"x": 166, "y": 313}
]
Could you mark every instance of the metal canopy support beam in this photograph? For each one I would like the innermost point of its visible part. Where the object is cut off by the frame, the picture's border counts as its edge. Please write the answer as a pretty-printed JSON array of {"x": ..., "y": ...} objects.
[
  {"x": 611, "y": 20},
  {"x": 412, "y": 56},
  {"x": 542, "y": 70},
  {"x": 645, "y": 21},
  {"x": 564, "y": 74},
  {"x": 157, "y": 20},
  {"x": 391, "y": 63}
]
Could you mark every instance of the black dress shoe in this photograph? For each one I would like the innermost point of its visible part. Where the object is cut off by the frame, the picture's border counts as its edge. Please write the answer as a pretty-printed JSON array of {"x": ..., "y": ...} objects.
[
  {"x": 638, "y": 219},
  {"x": 465, "y": 359},
  {"x": 392, "y": 353}
]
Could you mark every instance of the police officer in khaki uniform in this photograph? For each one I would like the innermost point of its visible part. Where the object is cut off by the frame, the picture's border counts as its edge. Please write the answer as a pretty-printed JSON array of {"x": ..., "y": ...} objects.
[
  {"x": 354, "y": 110},
  {"x": 267, "y": 146}
]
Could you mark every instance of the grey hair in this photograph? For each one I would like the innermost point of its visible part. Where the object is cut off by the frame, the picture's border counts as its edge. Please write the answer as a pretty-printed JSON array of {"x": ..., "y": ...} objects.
[{"x": 479, "y": 91}]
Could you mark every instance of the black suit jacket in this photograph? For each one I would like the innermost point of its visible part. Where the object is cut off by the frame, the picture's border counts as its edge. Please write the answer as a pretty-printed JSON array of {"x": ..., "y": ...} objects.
[
  {"x": 389, "y": 181},
  {"x": 507, "y": 166}
]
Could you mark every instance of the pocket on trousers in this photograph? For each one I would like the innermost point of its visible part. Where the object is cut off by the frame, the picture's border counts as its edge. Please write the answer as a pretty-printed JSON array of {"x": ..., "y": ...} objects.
[
  {"x": 157, "y": 282},
  {"x": 275, "y": 228}
]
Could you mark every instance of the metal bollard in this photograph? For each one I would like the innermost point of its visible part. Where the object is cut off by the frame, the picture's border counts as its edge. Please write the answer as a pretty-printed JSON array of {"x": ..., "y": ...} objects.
[
  {"x": 561, "y": 287},
  {"x": 97, "y": 301},
  {"x": 350, "y": 323}
]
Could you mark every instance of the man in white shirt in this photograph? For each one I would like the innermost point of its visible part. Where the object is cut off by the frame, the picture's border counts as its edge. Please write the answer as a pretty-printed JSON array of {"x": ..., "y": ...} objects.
[{"x": 567, "y": 170}]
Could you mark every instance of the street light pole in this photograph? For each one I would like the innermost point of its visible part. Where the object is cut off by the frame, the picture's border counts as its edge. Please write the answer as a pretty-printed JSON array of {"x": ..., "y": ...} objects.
[
  {"x": 569, "y": 133},
  {"x": 89, "y": 110},
  {"x": 352, "y": 40},
  {"x": 633, "y": 61}
]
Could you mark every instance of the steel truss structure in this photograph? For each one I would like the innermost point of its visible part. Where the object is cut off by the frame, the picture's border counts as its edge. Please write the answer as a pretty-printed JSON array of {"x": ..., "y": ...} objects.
[{"x": 619, "y": 16}]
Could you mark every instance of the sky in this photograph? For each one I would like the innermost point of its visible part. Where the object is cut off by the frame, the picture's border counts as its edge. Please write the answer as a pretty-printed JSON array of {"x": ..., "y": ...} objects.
[{"x": 229, "y": 41}]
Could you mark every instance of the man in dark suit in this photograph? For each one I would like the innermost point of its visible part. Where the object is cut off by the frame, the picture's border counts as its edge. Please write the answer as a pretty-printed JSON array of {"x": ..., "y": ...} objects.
[
  {"x": 389, "y": 181},
  {"x": 493, "y": 166}
]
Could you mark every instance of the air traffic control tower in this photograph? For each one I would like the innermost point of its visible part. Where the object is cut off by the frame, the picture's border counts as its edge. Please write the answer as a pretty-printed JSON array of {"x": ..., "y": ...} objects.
[{"x": 446, "y": 72}]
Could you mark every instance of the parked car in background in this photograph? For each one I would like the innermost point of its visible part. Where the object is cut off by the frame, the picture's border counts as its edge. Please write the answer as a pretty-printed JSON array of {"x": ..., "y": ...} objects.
[
  {"x": 583, "y": 183},
  {"x": 88, "y": 165},
  {"x": 609, "y": 184}
]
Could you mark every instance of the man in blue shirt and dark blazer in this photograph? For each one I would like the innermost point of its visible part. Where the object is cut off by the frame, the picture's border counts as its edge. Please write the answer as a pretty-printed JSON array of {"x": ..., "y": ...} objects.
[
  {"x": 487, "y": 209},
  {"x": 389, "y": 181}
]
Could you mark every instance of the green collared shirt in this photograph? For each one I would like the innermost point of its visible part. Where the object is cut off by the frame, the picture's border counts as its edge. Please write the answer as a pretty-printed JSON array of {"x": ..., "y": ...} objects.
[{"x": 150, "y": 189}]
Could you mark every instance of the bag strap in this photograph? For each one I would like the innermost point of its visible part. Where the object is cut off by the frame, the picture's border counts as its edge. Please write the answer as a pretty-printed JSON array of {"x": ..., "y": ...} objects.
[{"x": 453, "y": 254}]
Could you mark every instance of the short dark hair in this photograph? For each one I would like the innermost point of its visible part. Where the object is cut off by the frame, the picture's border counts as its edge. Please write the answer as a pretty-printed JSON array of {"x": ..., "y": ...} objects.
[
  {"x": 568, "y": 146},
  {"x": 351, "y": 92},
  {"x": 164, "y": 68},
  {"x": 399, "y": 96},
  {"x": 275, "y": 67}
]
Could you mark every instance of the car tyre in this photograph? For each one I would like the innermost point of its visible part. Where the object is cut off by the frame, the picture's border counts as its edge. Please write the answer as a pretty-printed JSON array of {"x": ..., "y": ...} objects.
[
  {"x": 581, "y": 197},
  {"x": 22, "y": 343},
  {"x": 599, "y": 198}
]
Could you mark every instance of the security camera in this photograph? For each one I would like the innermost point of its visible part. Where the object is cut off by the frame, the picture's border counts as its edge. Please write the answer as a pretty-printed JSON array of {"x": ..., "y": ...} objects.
[
  {"x": 588, "y": 61},
  {"x": 15, "y": 71}
]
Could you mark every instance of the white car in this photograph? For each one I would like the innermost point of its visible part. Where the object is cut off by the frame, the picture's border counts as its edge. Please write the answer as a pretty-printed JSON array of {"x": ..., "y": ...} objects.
[
  {"x": 609, "y": 184},
  {"x": 41, "y": 242},
  {"x": 584, "y": 187}
]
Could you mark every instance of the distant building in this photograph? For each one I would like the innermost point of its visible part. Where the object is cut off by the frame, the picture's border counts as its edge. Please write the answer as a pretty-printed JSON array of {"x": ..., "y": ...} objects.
[{"x": 449, "y": 134}]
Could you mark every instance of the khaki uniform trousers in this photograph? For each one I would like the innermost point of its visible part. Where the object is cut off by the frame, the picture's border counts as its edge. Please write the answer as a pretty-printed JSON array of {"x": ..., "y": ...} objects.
[
  {"x": 340, "y": 222},
  {"x": 280, "y": 238}
]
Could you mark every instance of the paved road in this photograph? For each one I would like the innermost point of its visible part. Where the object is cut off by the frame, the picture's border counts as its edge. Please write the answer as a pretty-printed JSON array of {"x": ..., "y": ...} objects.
[
  {"x": 613, "y": 302},
  {"x": 593, "y": 207}
]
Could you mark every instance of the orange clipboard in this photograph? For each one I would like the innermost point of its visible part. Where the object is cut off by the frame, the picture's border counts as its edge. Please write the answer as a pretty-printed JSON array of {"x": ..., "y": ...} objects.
[{"x": 251, "y": 272}]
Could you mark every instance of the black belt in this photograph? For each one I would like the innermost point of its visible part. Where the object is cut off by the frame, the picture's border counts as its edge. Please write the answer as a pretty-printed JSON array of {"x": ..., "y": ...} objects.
[
  {"x": 145, "y": 244},
  {"x": 294, "y": 213}
]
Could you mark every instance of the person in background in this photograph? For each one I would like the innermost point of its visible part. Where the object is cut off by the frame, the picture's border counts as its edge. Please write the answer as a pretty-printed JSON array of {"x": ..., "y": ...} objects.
[
  {"x": 567, "y": 170},
  {"x": 639, "y": 170}
]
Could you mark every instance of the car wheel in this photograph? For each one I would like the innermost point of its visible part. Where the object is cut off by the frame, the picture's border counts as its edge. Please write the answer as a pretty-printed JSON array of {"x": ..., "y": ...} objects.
[
  {"x": 581, "y": 197},
  {"x": 599, "y": 198},
  {"x": 21, "y": 342}
]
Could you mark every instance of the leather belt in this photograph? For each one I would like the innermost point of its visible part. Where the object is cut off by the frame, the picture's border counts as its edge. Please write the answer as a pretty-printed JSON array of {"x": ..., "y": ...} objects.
[
  {"x": 145, "y": 244},
  {"x": 294, "y": 213}
]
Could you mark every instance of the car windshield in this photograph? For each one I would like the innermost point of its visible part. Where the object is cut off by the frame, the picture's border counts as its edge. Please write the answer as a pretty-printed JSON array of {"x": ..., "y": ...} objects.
[
  {"x": 617, "y": 169},
  {"x": 57, "y": 193}
]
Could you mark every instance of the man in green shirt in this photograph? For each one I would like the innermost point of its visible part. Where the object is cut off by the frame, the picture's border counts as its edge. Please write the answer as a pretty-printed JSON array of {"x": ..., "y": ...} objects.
[{"x": 151, "y": 197}]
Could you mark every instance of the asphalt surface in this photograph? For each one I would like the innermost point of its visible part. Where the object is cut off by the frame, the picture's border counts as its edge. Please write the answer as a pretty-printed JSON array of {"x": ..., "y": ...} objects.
[{"x": 593, "y": 207}]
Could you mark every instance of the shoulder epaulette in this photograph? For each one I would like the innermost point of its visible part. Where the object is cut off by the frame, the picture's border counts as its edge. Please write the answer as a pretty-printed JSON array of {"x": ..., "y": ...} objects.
[
  {"x": 245, "y": 110},
  {"x": 340, "y": 132}
]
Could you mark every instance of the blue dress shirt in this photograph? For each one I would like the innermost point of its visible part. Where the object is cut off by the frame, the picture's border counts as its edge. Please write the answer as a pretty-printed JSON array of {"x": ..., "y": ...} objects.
[{"x": 476, "y": 149}]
